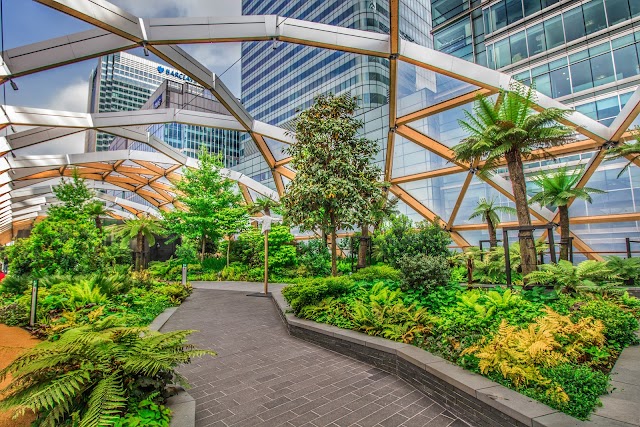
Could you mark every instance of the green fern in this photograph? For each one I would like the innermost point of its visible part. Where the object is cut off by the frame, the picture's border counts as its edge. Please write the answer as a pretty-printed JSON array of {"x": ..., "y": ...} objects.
[
  {"x": 90, "y": 371},
  {"x": 588, "y": 275}
]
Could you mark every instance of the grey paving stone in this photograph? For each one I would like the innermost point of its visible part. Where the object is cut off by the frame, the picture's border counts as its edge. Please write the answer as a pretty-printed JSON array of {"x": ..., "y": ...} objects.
[{"x": 264, "y": 376}]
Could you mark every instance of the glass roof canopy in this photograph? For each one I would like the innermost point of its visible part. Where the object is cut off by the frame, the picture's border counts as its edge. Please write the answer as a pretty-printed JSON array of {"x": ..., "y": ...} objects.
[{"x": 454, "y": 84}]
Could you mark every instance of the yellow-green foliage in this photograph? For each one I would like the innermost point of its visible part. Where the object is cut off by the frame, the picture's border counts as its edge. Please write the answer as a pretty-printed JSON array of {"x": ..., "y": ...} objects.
[
  {"x": 518, "y": 354},
  {"x": 384, "y": 313}
]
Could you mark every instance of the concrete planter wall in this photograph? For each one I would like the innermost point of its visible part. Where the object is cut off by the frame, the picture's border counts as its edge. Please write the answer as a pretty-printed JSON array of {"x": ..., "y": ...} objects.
[
  {"x": 472, "y": 397},
  {"x": 182, "y": 405}
]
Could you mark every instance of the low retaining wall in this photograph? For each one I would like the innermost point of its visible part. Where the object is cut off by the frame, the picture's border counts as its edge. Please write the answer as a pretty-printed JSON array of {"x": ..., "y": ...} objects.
[
  {"x": 472, "y": 397},
  {"x": 182, "y": 405}
]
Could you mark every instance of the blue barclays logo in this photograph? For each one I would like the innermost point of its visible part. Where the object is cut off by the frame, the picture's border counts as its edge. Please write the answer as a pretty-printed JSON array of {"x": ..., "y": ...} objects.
[{"x": 174, "y": 73}]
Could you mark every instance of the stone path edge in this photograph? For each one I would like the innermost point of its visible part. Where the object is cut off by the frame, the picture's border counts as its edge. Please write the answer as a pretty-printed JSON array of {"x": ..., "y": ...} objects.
[
  {"x": 471, "y": 396},
  {"x": 182, "y": 405}
]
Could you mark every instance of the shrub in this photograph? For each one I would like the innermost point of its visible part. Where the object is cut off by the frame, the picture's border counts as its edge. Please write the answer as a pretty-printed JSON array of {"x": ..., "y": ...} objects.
[
  {"x": 90, "y": 372},
  {"x": 14, "y": 284},
  {"x": 315, "y": 290},
  {"x": 424, "y": 272},
  {"x": 627, "y": 268},
  {"x": 14, "y": 315},
  {"x": 314, "y": 258},
  {"x": 620, "y": 326},
  {"x": 235, "y": 271},
  {"x": 147, "y": 413},
  {"x": 582, "y": 385},
  {"x": 383, "y": 313},
  {"x": 377, "y": 272},
  {"x": 401, "y": 238},
  {"x": 521, "y": 354}
]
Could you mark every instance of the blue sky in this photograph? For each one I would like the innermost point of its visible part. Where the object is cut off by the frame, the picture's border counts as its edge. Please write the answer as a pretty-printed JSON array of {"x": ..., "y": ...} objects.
[{"x": 66, "y": 88}]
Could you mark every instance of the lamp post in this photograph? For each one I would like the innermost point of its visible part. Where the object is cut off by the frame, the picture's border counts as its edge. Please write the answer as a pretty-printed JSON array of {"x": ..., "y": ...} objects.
[{"x": 266, "y": 227}]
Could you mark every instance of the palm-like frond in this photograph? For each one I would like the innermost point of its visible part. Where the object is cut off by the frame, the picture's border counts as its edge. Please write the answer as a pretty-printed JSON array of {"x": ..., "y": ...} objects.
[
  {"x": 629, "y": 150},
  {"x": 509, "y": 125},
  {"x": 487, "y": 209},
  {"x": 558, "y": 187}
]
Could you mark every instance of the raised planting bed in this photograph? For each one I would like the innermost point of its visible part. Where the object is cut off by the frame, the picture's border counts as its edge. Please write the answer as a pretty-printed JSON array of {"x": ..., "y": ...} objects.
[{"x": 470, "y": 396}]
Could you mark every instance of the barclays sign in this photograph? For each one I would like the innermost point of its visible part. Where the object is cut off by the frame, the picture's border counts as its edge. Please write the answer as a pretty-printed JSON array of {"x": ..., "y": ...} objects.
[{"x": 174, "y": 73}]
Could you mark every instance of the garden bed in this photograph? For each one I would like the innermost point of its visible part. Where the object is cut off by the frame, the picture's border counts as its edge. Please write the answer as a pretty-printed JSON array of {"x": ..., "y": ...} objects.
[
  {"x": 555, "y": 348},
  {"x": 469, "y": 395}
]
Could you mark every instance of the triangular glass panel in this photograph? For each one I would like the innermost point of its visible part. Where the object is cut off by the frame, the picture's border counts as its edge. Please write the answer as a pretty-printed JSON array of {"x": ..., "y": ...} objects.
[
  {"x": 419, "y": 88},
  {"x": 277, "y": 148},
  {"x": 438, "y": 194},
  {"x": 409, "y": 158}
]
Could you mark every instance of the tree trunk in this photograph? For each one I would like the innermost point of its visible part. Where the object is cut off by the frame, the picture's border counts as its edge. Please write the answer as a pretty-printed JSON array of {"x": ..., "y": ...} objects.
[
  {"x": 334, "y": 247},
  {"x": 362, "y": 248},
  {"x": 518, "y": 183},
  {"x": 493, "y": 242},
  {"x": 139, "y": 248},
  {"x": 564, "y": 232},
  {"x": 98, "y": 223},
  {"x": 204, "y": 244},
  {"x": 228, "y": 249}
]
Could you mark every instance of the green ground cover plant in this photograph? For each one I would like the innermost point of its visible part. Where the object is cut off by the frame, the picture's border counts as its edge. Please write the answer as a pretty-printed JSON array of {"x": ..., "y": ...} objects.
[
  {"x": 555, "y": 345},
  {"x": 68, "y": 301},
  {"x": 92, "y": 373}
]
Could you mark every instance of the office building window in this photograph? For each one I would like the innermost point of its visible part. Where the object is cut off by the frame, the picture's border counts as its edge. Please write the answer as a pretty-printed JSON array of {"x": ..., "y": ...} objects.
[
  {"x": 602, "y": 69},
  {"x": 514, "y": 10},
  {"x": 553, "y": 32},
  {"x": 594, "y": 16},
  {"x": 581, "y": 76},
  {"x": 618, "y": 11},
  {"x": 502, "y": 53},
  {"x": 626, "y": 62},
  {"x": 574, "y": 24},
  {"x": 518, "y": 44},
  {"x": 535, "y": 38}
]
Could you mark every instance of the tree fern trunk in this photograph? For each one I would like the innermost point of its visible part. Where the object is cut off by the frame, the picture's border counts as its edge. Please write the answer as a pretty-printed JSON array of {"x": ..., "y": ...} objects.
[
  {"x": 493, "y": 242},
  {"x": 518, "y": 183},
  {"x": 334, "y": 248},
  {"x": 139, "y": 251},
  {"x": 362, "y": 249},
  {"x": 565, "y": 233}
]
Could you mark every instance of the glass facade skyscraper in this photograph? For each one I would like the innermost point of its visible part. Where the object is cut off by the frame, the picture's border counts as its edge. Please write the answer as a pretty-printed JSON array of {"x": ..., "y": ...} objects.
[
  {"x": 123, "y": 82},
  {"x": 281, "y": 79},
  {"x": 186, "y": 138},
  {"x": 583, "y": 53}
]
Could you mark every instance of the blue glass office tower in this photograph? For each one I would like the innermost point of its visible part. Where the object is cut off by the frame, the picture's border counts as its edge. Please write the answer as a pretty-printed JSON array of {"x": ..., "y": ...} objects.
[{"x": 280, "y": 79}]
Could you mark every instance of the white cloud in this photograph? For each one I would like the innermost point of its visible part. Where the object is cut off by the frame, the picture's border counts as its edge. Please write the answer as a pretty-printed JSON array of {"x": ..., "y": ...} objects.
[
  {"x": 165, "y": 8},
  {"x": 72, "y": 97}
]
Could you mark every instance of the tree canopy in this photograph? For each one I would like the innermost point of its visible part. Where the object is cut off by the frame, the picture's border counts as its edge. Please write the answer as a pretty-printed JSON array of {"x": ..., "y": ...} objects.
[{"x": 336, "y": 177}]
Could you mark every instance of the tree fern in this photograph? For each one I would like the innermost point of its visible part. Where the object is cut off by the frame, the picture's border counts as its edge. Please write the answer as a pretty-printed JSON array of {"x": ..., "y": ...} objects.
[{"x": 92, "y": 371}]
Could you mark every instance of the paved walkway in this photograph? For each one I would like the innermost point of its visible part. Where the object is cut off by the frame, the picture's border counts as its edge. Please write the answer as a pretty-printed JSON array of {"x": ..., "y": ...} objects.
[{"x": 264, "y": 377}]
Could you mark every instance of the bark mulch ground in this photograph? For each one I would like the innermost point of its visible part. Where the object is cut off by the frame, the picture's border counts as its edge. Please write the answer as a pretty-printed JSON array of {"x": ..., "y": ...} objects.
[{"x": 13, "y": 342}]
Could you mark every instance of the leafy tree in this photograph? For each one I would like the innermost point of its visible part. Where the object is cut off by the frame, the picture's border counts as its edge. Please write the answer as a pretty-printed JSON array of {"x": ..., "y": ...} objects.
[
  {"x": 381, "y": 208},
  {"x": 232, "y": 221},
  {"x": 249, "y": 248},
  {"x": 488, "y": 211},
  {"x": 74, "y": 195},
  {"x": 629, "y": 150},
  {"x": 336, "y": 179},
  {"x": 557, "y": 188},
  {"x": 509, "y": 129},
  {"x": 211, "y": 204},
  {"x": 66, "y": 241},
  {"x": 143, "y": 229}
]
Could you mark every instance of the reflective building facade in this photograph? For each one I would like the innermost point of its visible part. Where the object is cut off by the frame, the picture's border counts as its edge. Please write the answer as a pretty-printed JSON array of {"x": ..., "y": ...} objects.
[
  {"x": 187, "y": 138},
  {"x": 123, "y": 82},
  {"x": 585, "y": 54}
]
